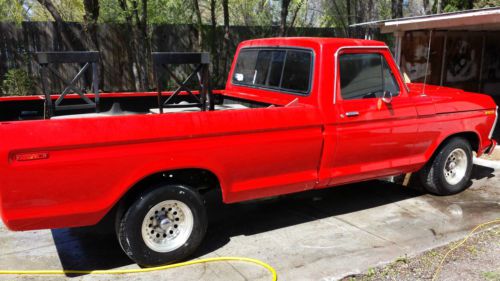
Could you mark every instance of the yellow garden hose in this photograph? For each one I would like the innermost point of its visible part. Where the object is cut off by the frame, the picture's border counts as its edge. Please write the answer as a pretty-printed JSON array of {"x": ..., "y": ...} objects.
[
  {"x": 440, "y": 265},
  {"x": 141, "y": 270}
]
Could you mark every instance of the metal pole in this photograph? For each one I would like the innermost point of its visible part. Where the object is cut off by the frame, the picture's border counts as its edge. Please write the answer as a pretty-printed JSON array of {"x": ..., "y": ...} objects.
[
  {"x": 48, "y": 111},
  {"x": 95, "y": 82},
  {"x": 427, "y": 63},
  {"x": 443, "y": 59},
  {"x": 481, "y": 64}
]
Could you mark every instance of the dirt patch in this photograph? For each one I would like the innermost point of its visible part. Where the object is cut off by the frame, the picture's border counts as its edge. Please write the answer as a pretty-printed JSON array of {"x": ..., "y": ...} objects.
[{"x": 476, "y": 259}]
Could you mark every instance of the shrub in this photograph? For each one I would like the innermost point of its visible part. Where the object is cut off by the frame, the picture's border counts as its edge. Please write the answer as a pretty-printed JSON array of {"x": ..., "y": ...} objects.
[{"x": 17, "y": 82}]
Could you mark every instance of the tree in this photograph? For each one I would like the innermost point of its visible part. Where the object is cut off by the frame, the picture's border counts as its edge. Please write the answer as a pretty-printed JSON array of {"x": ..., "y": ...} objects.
[
  {"x": 213, "y": 37},
  {"x": 486, "y": 4},
  {"x": 297, "y": 7},
  {"x": 199, "y": 23},
  {"x": 90, "y": 21},
  {"x": 52, "y": 10},
  {"x": 66, "y": 33},
  {"x": 227, "y": 35},
  {"x": 68, "y": 10},
  {"x": 397, "y": 9},
  {"x": 452, "y": 5},
  {"x": 348, "y": 13},
  {"x": 426, "y": 7},
  {"x": 136, "y": 17},
  {"x": 284, "y": 14},
  {"x": 251, "y": 12},
  {"x": 13, "y": 11}
]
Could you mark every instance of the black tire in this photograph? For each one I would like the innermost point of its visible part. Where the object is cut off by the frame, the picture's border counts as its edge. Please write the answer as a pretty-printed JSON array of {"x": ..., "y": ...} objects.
[
  {"x": 130, "y": 230},
  {"x": 432, "y": 175}
]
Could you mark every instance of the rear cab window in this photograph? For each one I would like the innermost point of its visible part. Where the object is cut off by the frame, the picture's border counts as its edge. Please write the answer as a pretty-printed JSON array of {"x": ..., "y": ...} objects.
[{"x": 282, "y": 69}]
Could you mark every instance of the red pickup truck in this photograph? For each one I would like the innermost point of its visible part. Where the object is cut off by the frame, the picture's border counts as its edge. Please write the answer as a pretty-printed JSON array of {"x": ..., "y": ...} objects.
[{"x": 296, "y": 114}]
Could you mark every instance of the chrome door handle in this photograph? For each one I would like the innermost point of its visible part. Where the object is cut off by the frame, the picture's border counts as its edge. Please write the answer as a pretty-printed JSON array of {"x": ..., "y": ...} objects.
[{"x": 352, "y": 113}]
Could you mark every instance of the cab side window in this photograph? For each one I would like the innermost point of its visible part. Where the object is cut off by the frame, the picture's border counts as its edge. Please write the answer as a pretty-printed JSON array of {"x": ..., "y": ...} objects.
[{"x": 365, "y": 76}]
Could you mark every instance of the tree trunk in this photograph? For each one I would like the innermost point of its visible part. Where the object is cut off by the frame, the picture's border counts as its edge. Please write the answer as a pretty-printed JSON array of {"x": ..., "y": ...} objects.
[
  {"x": 284, "y": 14},
  {"x": 145, "y": 44},
  {"x": 213, "y": 39},
  {"x": 427, "y": 7},
  {"x": 90, "y": 21},
  {"x": 340, "y": 12},
  {"x": 133, "y": 72},
  {"x": 469, "y": 4},
  {"x": 66, "y": 33},
  {"x": 348, "y": 9},
  {"x": 295, "y": 13},
  {"x": 90, "y": 26},
  {"x": 199, "y": 23},
  {"x": 357, "y": 19},
  {"x": 52, "y": 9},
  {"x": 227, "y": 36},
  {"x": 397, "y": 8}
]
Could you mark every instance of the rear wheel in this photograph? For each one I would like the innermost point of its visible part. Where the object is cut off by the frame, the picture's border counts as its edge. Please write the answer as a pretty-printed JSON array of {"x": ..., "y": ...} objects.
[
  {"x": 449, "y": 171},
  {"x": 164, "y": 225}
]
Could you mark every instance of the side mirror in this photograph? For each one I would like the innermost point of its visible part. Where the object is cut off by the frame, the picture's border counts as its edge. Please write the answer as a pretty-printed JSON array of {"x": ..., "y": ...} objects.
[{"x": 387, "y": 97}]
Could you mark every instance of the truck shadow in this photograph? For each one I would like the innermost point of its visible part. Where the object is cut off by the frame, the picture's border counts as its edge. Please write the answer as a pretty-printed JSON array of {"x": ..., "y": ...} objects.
[
  {"x": 86, "y": 249},
  {"x": 227, "y": 221}
]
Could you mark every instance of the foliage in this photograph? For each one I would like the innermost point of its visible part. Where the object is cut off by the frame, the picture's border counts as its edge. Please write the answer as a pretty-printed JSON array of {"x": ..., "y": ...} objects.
[
  {"x": 17, "y": 82},
  {"x": 486, "y": 4},
  {"x": 251, "y": 12},
  {"x": 159, "y": 11},
  {"x": 170, "y": 12},
  {"x": 320, "y": 13},
  {"x": 299, "y": 15},
  {"x": 13, "y": 11},
  {"x": 454, "y": 5},
  {"x": 70, "y": 10}
]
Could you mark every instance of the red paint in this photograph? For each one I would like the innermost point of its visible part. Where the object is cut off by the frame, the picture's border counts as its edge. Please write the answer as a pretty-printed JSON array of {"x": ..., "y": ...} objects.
[{"x": 254, "y": 152}]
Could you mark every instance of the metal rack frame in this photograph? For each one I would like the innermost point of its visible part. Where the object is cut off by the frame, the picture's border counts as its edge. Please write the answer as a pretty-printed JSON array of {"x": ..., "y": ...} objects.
[
  {"x": 90, "y": 61},
  {"x": 162, "y": 60}
]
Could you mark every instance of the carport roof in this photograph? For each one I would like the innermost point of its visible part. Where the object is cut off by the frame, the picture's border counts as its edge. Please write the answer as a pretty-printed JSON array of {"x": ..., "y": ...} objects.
[{"x": 479, "y": 19}]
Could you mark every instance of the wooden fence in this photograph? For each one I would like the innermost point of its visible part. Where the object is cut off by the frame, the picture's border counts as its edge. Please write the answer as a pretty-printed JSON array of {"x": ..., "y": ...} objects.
[{"x": 118, "y": 60}]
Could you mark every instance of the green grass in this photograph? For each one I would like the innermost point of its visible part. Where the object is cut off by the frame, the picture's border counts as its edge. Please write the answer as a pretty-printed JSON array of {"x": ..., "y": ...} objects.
[{"x": 492, "y": 275}]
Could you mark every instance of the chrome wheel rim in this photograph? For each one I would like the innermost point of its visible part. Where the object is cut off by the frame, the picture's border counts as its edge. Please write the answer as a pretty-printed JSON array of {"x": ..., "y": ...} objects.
[
  {"x": 167, "y": 226},
  {"x": 455, "y": 166}
]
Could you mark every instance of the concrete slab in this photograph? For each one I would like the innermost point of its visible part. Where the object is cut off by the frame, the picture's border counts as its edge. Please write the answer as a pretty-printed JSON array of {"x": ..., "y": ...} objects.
[{"x": 317, "y": 235}]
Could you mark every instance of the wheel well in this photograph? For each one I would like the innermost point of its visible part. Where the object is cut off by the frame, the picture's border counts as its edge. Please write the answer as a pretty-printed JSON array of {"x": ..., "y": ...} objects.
[
  {"x": 200, "y": 179},
  {"x": 471, "y": 137}
]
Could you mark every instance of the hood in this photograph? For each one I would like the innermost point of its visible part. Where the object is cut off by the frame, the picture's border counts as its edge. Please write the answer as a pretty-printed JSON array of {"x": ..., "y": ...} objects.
[{"x": 448, "y": 99}]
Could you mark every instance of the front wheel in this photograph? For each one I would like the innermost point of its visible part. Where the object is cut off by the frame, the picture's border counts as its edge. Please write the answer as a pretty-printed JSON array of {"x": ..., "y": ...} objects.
[
  {"x": 449, "y": 171},
  {"x": 163, "y": 225}
]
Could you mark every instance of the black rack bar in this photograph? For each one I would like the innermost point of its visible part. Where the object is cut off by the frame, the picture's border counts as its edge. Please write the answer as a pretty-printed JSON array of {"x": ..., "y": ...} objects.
[
  {"x": 75, "y": 106},
  {"x": 89, "y": 59},
  {"x": 161, "y": 60}
]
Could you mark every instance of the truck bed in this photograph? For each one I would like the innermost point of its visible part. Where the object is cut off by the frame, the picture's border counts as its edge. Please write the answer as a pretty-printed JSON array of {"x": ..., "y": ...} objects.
[{"x": 113, "y": 104}]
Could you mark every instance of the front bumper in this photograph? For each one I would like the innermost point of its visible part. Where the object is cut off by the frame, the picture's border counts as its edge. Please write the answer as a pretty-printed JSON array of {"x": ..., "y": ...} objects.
[{"x": 489, "y": 150}]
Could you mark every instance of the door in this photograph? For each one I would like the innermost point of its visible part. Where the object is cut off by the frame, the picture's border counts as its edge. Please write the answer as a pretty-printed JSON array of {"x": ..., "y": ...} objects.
[{"x": 375, "y": 135}]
